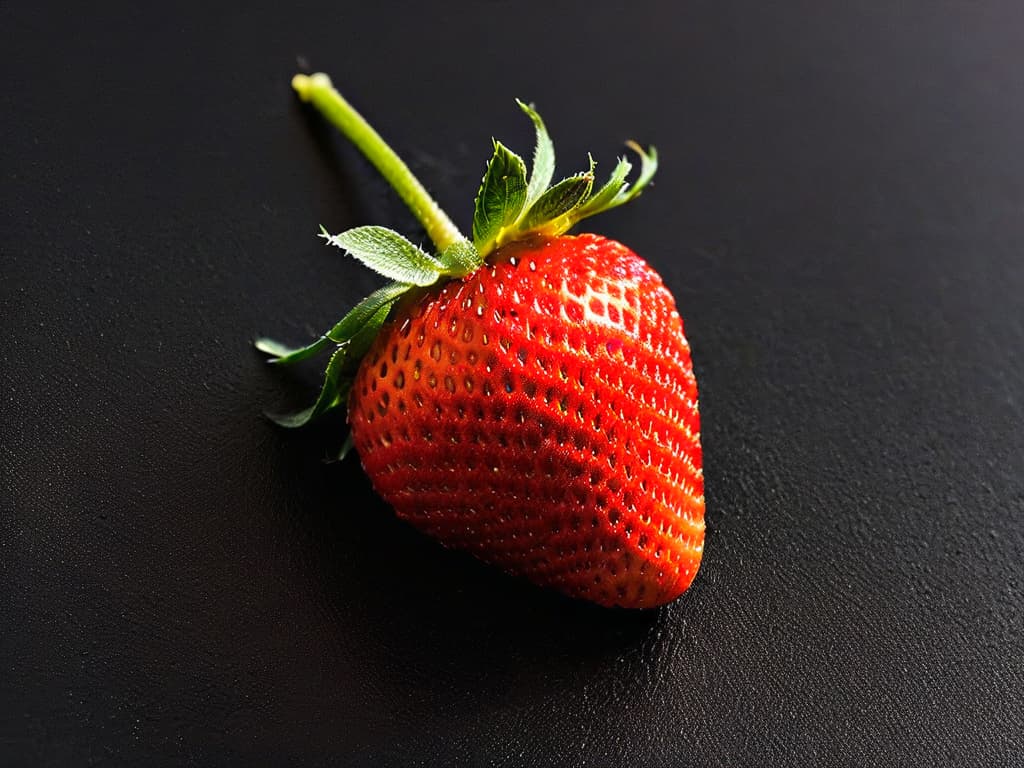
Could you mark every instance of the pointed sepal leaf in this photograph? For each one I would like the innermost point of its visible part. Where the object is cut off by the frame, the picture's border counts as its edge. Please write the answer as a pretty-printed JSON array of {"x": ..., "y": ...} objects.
[
  {"x": 543, "y": 156},
  {"x": 291, "y": 420},
  {"x": 460, "y": 258},
  {"x": 617, "y": 191},
  {"x": 388, "y": 253},
  {"x": 364, "y": 313},
  {"x": 508, "y": 207},
  {"x": 281, "y": 354},
  {"x": 342, "y": 332},
  {"x": 648, "y": 167},
  {"x": 550, "y": 215},
  {"x": 332, "y": 393},
  {"x": 339, "y": 372},
  {"x": 611, "y": 188},
  {"x": 346, "y": 447},
  {"x": 359, "y": 343},
  {"x": 501, "y": 197},
  {"x": 275, "y": 349}
]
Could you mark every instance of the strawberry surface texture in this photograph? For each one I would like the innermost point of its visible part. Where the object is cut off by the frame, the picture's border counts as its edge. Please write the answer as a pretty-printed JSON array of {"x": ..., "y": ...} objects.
[
  {"x": 541, "y": 413},
  {"x": 522, "y": 394}
]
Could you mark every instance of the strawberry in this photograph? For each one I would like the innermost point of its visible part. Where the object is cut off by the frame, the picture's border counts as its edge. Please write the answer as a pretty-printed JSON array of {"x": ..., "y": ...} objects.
[{"x": 527, "y": 396}]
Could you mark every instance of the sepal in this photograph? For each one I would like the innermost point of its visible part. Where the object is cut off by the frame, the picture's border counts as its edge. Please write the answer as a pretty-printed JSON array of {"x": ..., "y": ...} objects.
[
  {"x": 388, "y": 253},
  {"x": 501, "y": 197},
  {"x": 352, "y": 337},
  {"x": 543, "y": 156},
  {"x": 617, "y": 191},
  {"x": 342, "y": 331},
  {"x": 332, "y": 392},
  {"x": 460, "y": 258},
  {"x": 508, "y": 207},
  {"x": 552, "y": 213}
]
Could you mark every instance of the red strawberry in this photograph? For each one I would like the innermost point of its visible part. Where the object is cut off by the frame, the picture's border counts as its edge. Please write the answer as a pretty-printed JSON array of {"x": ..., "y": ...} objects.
[{"x": 529, "y": 396}]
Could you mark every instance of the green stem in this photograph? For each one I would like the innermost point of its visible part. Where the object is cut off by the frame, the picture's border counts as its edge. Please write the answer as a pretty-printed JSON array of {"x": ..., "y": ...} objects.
[{"x": 317, "y": 89}]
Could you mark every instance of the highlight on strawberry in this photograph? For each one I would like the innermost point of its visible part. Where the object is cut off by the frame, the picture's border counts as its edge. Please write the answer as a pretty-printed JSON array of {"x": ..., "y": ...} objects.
[{"x": 524, "y": 395}]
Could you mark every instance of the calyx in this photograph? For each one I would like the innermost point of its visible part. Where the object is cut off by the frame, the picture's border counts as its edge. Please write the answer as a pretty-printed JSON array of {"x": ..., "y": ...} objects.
[{"x": 510, "y": 206}]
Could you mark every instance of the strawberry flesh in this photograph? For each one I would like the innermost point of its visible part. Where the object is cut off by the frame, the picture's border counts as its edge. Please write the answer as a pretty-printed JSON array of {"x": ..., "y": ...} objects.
[{"x": 541, "y": 413}]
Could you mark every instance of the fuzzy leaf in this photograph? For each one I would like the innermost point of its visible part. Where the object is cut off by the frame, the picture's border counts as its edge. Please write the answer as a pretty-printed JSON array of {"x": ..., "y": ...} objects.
[
  {"x": 543, "y": 157},
  {"x": 275, "y": 349},
  {"x": 648, "y": 167},
  {"x": 460, "y": 258},
  {"x": 501, "y": 197},
  {"x": 611, "y": 188},
  {"x": 332, "y": 392},
  {"x": 616, "y": 191},
  {"x": 388, "y": 253},
  {"x": 356, "y": 318},
  {"x": 363, "y": 313},
  {"x": 548, "y": 214},
  {"x": 343, "y": 363},
  {"x": 359, "y": 343},
  {"x": 284, "y": 355}
]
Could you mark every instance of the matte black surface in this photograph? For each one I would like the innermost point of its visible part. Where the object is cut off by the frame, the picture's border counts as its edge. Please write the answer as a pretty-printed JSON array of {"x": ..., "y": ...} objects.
[{"x": 840, "y": 213}]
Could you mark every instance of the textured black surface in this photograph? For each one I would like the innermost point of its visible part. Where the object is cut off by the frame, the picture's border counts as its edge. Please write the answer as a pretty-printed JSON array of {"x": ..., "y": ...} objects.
[{"x": 840, "y": 213}]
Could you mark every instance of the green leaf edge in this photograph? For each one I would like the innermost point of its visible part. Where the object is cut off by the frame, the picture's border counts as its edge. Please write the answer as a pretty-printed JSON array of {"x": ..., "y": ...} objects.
[
  {"x": 344, "y": 362},
  {"x": 491, "y": 232},
  {"x": 388, "y": 253},
  {"x": 340, "y": 371},
  {"x": 501, "y": 197},
  {"x": 543, "y": 166},
  {"x": 340, "y": 333},
  {"x": 502, "y": 212},
  {"x": 552, "y": 211},
  {"x": 329, "y": 397}
]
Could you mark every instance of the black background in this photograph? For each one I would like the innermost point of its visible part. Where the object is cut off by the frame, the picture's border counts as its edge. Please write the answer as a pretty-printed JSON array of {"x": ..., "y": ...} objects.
[{"x": 840, "y": 214}]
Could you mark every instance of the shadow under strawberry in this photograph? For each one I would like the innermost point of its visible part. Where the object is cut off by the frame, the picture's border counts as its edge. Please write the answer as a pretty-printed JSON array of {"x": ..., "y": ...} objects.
[{"x": 408, "y": 602}]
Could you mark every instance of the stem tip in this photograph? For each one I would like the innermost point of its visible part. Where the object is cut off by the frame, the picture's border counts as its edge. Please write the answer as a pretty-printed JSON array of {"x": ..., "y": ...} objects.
[{"x": 304, "y": 84}]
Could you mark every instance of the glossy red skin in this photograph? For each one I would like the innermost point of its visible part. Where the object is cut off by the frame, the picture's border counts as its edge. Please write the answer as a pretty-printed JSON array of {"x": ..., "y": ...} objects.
[{"x": 541, "y": 413}]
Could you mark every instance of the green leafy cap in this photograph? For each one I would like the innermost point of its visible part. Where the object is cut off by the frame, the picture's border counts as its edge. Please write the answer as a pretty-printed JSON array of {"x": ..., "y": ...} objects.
[{"x": 511, "y": 205}]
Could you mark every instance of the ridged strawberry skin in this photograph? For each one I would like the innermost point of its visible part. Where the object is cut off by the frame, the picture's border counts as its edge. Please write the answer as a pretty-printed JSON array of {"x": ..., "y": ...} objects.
[{"x": 541, "y": 413}]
